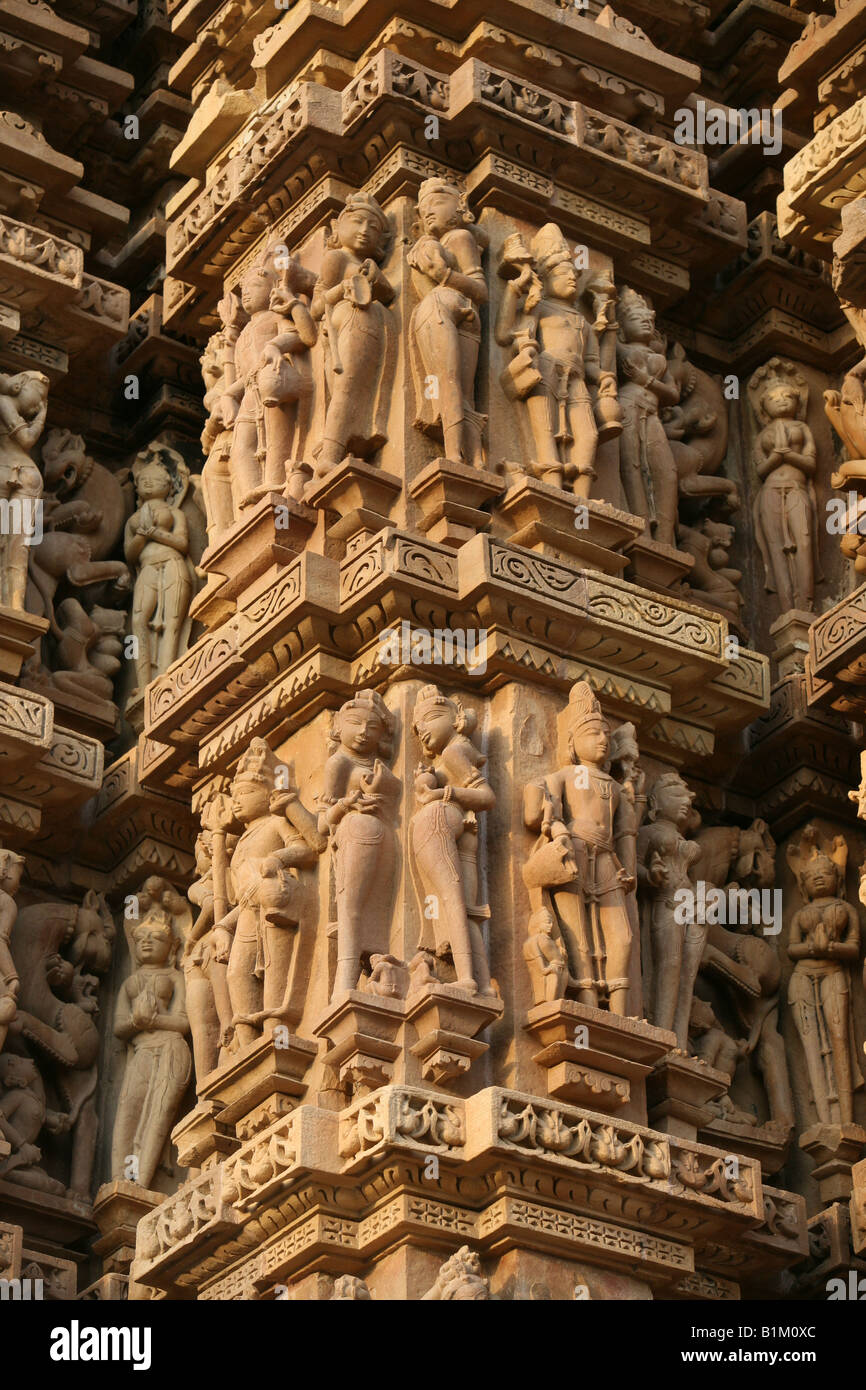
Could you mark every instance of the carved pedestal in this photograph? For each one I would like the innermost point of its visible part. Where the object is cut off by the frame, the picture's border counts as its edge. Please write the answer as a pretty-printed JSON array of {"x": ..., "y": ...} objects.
[
  {"x": 790, "y": 633},
  {"x": 450, "y": 496},
  {"x": 768, "y": 1143},
  {"x": 201, "y": 1138},
  {"x": 658, "y": 566},
  {"x": 447, "y": 1023},
  {"x": 20, "y": 633},
  {"x": 834, "y": 1150},
  {"x": 265, "y": 536},
  {"x": 554, "y": 522},
  {"x": 677, "y": 1094},
  {"x": 264, "y": 1081},
  {"x": 117, "y": 1209},
  {"x": 595, "y": 1058},
  {"x": 361, "y": 1031},
  {"x": 360, "y": 495}
]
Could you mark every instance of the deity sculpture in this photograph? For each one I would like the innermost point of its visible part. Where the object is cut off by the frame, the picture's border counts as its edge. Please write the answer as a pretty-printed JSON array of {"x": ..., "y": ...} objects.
[
  {"x": 257, "y": 935},
  {"x": 546, "y": 960},
  {"x": 11, "y": 869},
  {"x": 824, "y": 942},
  {"x": 23, "y": 406},
  {"x": 23, "y": 1115},
  {"x": 357, "y": 810},
  {"x": 555, "y": 357},
  {"x": 268, "y": 380},
  {"x": 150, "y": 1018},
  {"x": 697, "y": 429},
  {"x": 445, "y": 328},
  {"x": 61, "y": 950},
  {"x": 585, "y": 811},
  {"x": 451, "y": 791},
  {"x": 208, "y": 1005},
  {"x": 352, "y": 296},
  {"x": 649, "y": 470},
  {"x": 156, "y": 542},
  {"x": 665, "y": 855},
  {"x": 785, "y": 509}
]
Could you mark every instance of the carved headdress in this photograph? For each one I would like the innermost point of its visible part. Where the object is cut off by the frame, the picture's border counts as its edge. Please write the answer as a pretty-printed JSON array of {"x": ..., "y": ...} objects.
[
  {"x": 583, "y": 711},
  {"x": 778, "y": 375},
  {"x": 813, "y": 849},
  {"x": 550, "y": 248},
  {"x": 368, "y": 203},
  {"x": 629, "y": 302},
  {"x": 369, "y": 700},
  {"x": 258, "y": 765},
  {"x": 172, "y": 464},
  {"x": 429, "y": 696}
]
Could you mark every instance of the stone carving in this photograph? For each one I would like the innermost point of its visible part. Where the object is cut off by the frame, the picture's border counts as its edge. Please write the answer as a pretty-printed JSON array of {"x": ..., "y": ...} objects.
[
  {"x": 157, "y": 547},
  {"x": 83, "y": 495},
  {"x": 586, "y": 832},
  {"x": 745, "y": 962},
  {"x": 824, "y": 942},
  {"x": 546, "y": 959},
  {"x": 267, "y": 379},
  {"x": 460, "y": 1279},
  {"x": 58, "y": 1008},
  {"x": 785, "y": 509},
  {"x": 714, "y": 1046},
  {"x": 351, "y": 297},
  {"x": 257, "y": 935},
  {"x": 451, "y": 791},
  {"x": 23, "y": 1115},
  {"x": 349, "y": 1286},
  {"x": 23, "y": 406},
  {"x": 697, "y": 429},
  {"x": 216, "y": 477},
  {"x": 11, "y": 869},
  {"x": 150, "y": 1018},
  {"x": 556, "y": 356},
  {"x": 445, "y": 328},
  {"x": 665, "y": 855},
  {"x": 649, "y": 470},
  {"x": 208, "y": 1005},
  {"x": 712, "y": 580},
  {"x": 357, "y": 811}
]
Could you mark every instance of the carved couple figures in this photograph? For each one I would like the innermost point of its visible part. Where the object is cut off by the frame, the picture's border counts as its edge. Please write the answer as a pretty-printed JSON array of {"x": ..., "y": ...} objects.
[
  {"x": 556, "y": 367},
  {"x": 583, "y": 863},
  {"x": 23, "y": 406},
  {"x": 824, "y": 942},
  {"x": 11, "y": 869},
  {"x": 786, "y": 513},
  {"x": 151, "y": 1019},
  {"x": 267, "y": 379}
]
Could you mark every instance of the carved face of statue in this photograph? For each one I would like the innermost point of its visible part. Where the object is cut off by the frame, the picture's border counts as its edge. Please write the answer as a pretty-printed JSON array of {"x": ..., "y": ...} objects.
[
  {"x": 638, "y": 321},
  {"x": 591, "y": 742},
  {"x": 32, "y": 395},
  {"x": 673, "y": 802},
  {"x": 16, "y": 1073},
  {"x": 361, "y": 730},
  {"x": 780, "y": 402},
  {"x": 440, "y": 210},
  {"x": 152, "y": 940},
  {"x": 819, "y": 877},
  {"x": 249, "y": 800},
  {"x": 360, "y": 230},
  {"x": 435, "y": 726},
  {"x": 153, "y": 481},
  {"x": 256, "y": 291},
  {"x": 562, "y": 280}
]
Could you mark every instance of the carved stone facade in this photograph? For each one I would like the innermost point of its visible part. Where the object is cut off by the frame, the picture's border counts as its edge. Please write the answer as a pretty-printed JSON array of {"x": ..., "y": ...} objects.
[{"x": 431, "y": 655}]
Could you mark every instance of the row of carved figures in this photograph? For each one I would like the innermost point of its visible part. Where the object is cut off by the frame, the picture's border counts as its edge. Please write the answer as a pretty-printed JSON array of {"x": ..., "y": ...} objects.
[
  {"x": 583, "y": 363},
  {"x": 605, "y": 878}
]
